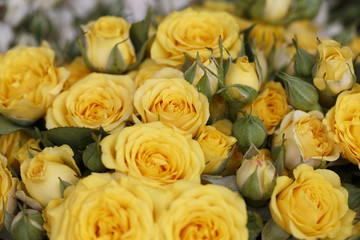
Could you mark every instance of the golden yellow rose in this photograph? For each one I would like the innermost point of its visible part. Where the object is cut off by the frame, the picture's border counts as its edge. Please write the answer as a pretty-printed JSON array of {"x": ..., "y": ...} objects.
[
  {"x": 314, "y": 195},
  {"x": 41, "y": 173},
  {"x": 154, "y": 153},
  {"x": 97, "y": 100},
  {"x": 146, "y": 70},
  {"x": 203, "y": 212},
  {"x": 29, "y": 82},
  {"x": 249, "y": 77},
  {"x": 168, "y": 97},
  {"x": 343, "y": 122},
  {"x": 12, "y": 143},
  {"x": 270, "y": 105},
  {"x": 99, "y": 207},
  {"x": 191, "y": 32},
  {"x": 334, "y": 71},
  {"x": 307, "y": 139},
  {"x": 216, "y": 147},
  {"x": 103, "y": 35},
  {"x": 7, "y": 190},
  {"x": 78, "y": 70}
]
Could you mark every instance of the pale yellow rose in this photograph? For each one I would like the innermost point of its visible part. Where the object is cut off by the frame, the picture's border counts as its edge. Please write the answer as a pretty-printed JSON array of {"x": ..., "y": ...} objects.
[
  {"x": 334, "y": 71},
  {"x": 103, "y": 35},
  {"x": 191, "y": 32},
  {"x": 315, "y": 196},
  {"x": 78, "y": 70},
  {"x": 97, "y": 100},
  {"x": 154, "y": 153},
  {"x": 307, "y": 139},
  {"x": 242, "y": 72},
  {"x": 276, "y": 10},
  {"x": 146, "y": 70},
  {"x": 343, "y": 121},
  {"x": 7, "y": 190},
  {"x": 168, "y": 97},
  {"x": 99, "y": 207},
  {"x": 41, "y": 173},
  {"x": 216, "y": 147},
  {"x": 10, "y": 146},
  {"x": 270, "y": 105},
  {"x": 203, "y": 212},
  {"x": 29, "y": 82},
  {"x": 262, "y": 165}
]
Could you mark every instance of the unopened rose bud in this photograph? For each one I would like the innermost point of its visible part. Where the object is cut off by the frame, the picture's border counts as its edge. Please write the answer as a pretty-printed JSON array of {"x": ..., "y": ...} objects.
[{"x": 27, "y": 224}]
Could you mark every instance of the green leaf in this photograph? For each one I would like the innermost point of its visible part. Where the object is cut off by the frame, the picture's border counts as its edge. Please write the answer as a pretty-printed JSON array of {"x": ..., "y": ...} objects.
[
  {"x": 76, "y": 138},
  {"x": 7, "y": 126},
  {"x": 92, "y": 157},
  {"x": 116, "y": 63},
  {"x": 228, "y": 181},
  {"x": 271, "y": 231},
  {"x": 254, "y": 224},
  {"x": 139, "y": 31},
  {"x": 354, "y": 196},
  {"x": 247, "y": 44},
  {"x": 63, "y": 186}
]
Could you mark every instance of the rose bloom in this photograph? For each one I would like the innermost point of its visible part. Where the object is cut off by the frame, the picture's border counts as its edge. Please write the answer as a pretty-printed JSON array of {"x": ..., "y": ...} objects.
[
  {"x": 307, "y": 139},
  {"x": 313, "y": 206},
  {"x": 190, "y": 31},
  {"x": 153, "y": 153},
  {"x": 78, "y": 70},
  {"x": 343, "y": 121},
  {"x": 41, "y": 173},
  {"x": 168, "y": 97},
  {"x": 7, "y": 190},
  {"x": 146, "y": 70},
  {"x": 334, "y": 71},
  {"x": 101, "y": 37},
  {"x": 99, "y": 207},
  {"x": 270, "y": 105},
  {"x": 203, "y": 212},
  {"x": 97, "y": 100},
  {"x": 216, "y": 147},
  {"x": 29, "y": 82}
]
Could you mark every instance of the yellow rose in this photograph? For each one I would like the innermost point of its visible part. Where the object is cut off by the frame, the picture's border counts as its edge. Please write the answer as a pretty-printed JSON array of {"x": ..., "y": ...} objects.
[
  {"x": 97, "y": 100},
  {"x": 146, "y": 70},
  {"x": 249, "y": 77},
  {"x": 103, "y": 35},
  {"x": 168, "y": 97},
  {"x": 29, "y": 82},
  {"x": 78, "y": 70},
  {"x": 41, "y": 173},
  {"x": 203, "y": 212},
  {"x": 7, "y": 190},
  {"x": 224, "y": 126},
  {"x": 315, "y": 196},
  {"x": 334, "y": 71},
  {"x": 270, "y": 105},
  {"x": 191, "y": 32},
  {"x": 307, "y": 139},
  {"x": 216, "y": 147},
  {"x": 99, "y": 207},
  {"x": 343, "y": 120},
  {"x": 153, "y": 153},
  {"x": 354, "y": 45},
  {"x": 31, "y": 146}
]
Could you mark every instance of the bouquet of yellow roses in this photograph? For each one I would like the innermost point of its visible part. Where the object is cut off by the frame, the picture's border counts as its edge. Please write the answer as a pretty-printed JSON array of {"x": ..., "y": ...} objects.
[{"x": 222, "y": 120}]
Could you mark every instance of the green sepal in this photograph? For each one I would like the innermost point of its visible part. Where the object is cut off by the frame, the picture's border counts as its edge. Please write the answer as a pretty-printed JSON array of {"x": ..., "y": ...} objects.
[
  {"x": 248, "y": 93},
  {"x": 251, "y": 187},
  {"x": 116, "y": 63},
  {"x": 79, "y": 40},
  {"x": 304, "y": 62},
  {"x": 187, "y": 63},
  {"x": 278, "y": 154},
  {"x": 27, "y": 225},
  {"x": 63, "y": 186},
  {"x": 8, "y": 217},
  {"x": 92, "y": 155},
  {"x": 139, "y": 31},
  {"x": 251, "y": 152},
  {"x": 204, "y": 87},
  {"x": 7, "y": 126},
  {"x": 190, "y": 73},
  {"x": 254, "y": 224},
  {"x": 140, "y": 54},
  {"x": 271, "y": 231},
  {"x": 227, "y": 181}
]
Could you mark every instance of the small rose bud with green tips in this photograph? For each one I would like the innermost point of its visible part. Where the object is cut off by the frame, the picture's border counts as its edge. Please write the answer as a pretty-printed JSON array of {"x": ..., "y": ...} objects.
[
  {"x": 256, "y": 177},
  {"x": 27, "y": 224},
  {"x": 301, "y": 94},
  {"x": 248, "y": 130}
]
